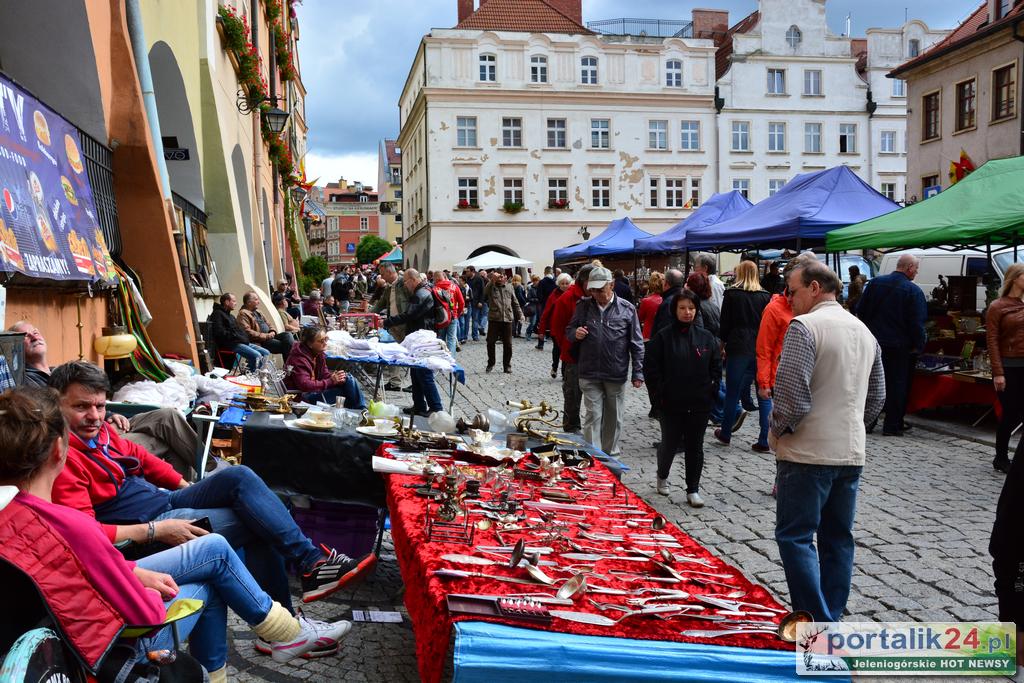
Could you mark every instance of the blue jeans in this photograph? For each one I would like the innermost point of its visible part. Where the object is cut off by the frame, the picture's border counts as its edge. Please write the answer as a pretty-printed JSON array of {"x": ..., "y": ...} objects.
[
  {"x": 449, "y": 336},
  {"x": 248, "y": 514},
  {"x": 818, "y": 499},
  {"x": 349, "y": 391},
  {"x": 252, "y": 353},
  {"x": 464, "y": 321},
  {"x": 207, "y": 569},
  {"x": 480, "y": 321},
  {"x": 534, "y": 319},
  {"x": 739, "y": 376},
  {"x": 424, "y": 390}
]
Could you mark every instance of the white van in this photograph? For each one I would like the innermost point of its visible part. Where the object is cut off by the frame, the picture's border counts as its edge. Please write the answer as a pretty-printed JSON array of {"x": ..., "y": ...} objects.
[{"x": 935, "y": 262}]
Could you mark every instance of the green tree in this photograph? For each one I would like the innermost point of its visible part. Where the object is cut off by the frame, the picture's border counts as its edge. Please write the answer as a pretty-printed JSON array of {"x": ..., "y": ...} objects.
[
  {"x": 316, "y": 268},
  {"x": 371, "y": 248}
]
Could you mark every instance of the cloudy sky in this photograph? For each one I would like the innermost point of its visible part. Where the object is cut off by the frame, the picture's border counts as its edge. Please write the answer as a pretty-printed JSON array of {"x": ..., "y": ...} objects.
[{"x": 355, "y": 57}]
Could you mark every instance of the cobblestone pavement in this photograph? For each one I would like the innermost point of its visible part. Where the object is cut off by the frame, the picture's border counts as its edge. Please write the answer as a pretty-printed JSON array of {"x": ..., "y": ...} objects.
[{"x": 924, "y": 515}]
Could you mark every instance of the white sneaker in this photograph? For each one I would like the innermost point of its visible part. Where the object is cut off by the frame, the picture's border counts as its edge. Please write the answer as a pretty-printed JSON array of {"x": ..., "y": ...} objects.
[
  {"x": 314, "y": 634},
  {"x": 663, "y": 487},
  {"x": 694, "y": 500}
]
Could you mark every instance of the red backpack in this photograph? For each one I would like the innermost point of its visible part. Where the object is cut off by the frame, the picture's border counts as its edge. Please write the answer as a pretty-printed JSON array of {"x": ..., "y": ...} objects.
[{"x": 444, "y": 308}]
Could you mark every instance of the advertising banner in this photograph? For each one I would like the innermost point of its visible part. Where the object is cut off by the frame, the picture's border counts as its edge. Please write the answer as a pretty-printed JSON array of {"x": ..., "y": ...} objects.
[{"x": 48, "y": 223}]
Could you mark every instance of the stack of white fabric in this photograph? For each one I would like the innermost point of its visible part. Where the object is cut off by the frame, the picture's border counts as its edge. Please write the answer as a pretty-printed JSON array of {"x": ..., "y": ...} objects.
[{"x": 425, "y": 347}]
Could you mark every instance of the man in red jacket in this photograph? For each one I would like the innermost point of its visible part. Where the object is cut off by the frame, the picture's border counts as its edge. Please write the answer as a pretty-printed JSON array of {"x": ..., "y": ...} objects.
[
  {"x": 136, "y": 496},
  {"x": 564, "y": 309}
]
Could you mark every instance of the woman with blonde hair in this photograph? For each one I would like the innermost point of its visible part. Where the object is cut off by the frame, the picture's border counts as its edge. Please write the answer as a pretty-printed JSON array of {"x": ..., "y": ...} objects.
[
  {"x": 1004, "y": 331},
  {"x": 742, "y": 306}
]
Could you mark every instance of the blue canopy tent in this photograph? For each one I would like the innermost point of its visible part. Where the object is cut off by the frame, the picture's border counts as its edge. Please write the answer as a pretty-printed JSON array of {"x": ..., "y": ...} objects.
[
  {"x": 617, "y": 238},
  {"x": 721, "y": 207},
  {"x": 798, "y": 215},
  {"x": 393, "y": 256}
]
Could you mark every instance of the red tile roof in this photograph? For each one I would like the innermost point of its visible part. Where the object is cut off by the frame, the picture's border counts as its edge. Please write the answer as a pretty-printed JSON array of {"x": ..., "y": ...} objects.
[
  {"x": 527, "y": 16},
  {"x": 724, "y": 54},
  {"x": 972, "y": 28},
  {"x": 394, "y": 156}
]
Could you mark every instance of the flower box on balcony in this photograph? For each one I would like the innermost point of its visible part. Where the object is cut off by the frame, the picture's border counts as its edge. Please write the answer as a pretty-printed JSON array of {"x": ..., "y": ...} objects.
[
  {"x": 467, "y": 205},
  {"x": 512, "y": 207},
  {"x": 558, "y": 203}
]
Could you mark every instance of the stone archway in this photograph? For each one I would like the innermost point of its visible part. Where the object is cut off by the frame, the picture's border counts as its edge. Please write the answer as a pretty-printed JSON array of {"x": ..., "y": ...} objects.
[
  {"x": 493, "y": 247},
  {"x": 176, "y": 125}
]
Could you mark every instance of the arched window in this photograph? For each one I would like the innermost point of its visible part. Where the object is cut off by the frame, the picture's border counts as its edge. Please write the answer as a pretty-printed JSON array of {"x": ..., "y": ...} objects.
[
  {"x": 588, "y": 71},
  {"x": 674, "y": 73},
  {"x": 488, "y": 68},
  {"x": 793, "y": 36},
  {"x": 538, "y": 69}
]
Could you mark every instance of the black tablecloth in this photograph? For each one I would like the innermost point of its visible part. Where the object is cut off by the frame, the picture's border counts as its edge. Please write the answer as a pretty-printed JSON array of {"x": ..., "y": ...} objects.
[{"x": 335, "y": 465}]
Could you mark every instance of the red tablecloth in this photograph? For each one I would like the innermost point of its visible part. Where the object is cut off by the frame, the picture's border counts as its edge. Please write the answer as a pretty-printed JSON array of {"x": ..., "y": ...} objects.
[
  {"x": 425, "y": 593},
  {"x": 934, "y": 390}
]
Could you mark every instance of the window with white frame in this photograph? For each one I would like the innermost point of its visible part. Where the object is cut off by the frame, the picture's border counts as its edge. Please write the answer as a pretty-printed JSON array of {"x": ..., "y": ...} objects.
[
  {"x": 847, "y": 138},
  {"x": 888, "y": 142},
  {"x": 600, "y": 130},
  {"x": 511, "y": 132},
  {"x": 465, "y": 131},
  {"x": 488, "y": 68},
  {"x": 812, "y": 82},
  {"x": 689, "y": 135},
  {"x": 742, "y": 185},
  {"x": 468, "y": 192},
  {"x": 913, "y": 47},
  {"x": 899, "y": 87},
  {"x": 588, "y": 71},
  {"x": 793, "y": 37},
  {"x": 812, "y": 138},
  {"x": 674, "y": 73},
  {"x": 675, "y": 193},
  {"x": 741, "y": 136},
  {"x": 364, "y": 224},
  {"x": 657, "y": 134},
  {"x": 332, "y": 225},
  {"x": 776, "y": 81},
  {"x": 513, "y": 190},
  {"x": 654, "y": 192},
  {"x": 538, "y": 69},
  {"x": 333, "y": 248},
  {"x": 776, "y": 136},
  {"x": 888, "y": 190},
  {"x": 601, "y": 193},
  {"x": 558, "y": 191},
  {"x": 363, "y": 198},
  {"x": 774, "y": 185},
  {"x": 556, "y": 133},
  {"x": 694, "y": 193}
]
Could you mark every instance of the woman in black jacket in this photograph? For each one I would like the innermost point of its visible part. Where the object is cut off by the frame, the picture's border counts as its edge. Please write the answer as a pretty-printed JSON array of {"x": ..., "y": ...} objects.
[
  {"x": 741, "y": 319},
  {"x": 683, "y": 367}
]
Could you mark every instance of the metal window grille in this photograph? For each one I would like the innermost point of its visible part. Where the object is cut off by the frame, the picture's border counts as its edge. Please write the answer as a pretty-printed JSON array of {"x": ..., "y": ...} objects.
[{"x": 98, "y": 162}]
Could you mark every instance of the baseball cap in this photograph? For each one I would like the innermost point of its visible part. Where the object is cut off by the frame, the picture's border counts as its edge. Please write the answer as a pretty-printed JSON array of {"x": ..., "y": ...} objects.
[{"x": 599, "y": 277}]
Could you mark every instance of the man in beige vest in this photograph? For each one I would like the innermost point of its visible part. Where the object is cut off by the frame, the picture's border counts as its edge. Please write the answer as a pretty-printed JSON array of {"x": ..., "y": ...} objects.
[{"x": 830, "y": 385}]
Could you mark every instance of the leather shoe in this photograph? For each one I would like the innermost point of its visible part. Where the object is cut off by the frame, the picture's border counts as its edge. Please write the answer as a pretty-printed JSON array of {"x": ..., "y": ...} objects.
[
  {"x": 739, "y": 421},
  {"x": 508, "y": 371},
  {"x": 1002, "y": 465},
  {"x": 906, "y": 426},
  {"x": 407, "y": 389},
  {"x": 489, "y": 368},
  {"x": 885, "y": 433},
  {"x": 721, "y": 439},
  {"x": 758, "y": 448}
]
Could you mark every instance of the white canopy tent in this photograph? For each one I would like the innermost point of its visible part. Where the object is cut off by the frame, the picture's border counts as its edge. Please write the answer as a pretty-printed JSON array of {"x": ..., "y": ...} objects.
[{"x": 494, "y": 259}]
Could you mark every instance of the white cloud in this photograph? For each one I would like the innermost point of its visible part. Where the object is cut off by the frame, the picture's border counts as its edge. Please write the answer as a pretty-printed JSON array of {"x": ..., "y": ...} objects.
[{"x": 361, "y": 166}]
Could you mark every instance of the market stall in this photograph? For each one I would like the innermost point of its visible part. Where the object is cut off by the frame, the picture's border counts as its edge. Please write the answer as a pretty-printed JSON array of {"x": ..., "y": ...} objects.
[
  {"x": 983, "y": 210},
  {"x": 616, "y": 239},
  {"x": 600, "y": 585},
  {"x": 493, "y": 259},
  {"x": 719, "y": 208},
  {"x": 797, "y": 216}
]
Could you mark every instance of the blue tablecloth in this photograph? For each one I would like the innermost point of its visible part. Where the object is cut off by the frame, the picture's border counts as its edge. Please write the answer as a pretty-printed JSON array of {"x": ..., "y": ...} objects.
[
  {"x": 457, "y": 370},
  {"x": 492, "y": 653}
]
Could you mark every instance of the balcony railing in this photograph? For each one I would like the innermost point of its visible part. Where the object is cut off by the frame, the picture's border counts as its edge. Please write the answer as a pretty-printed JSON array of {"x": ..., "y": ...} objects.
[{"x": 658, "y": 28}]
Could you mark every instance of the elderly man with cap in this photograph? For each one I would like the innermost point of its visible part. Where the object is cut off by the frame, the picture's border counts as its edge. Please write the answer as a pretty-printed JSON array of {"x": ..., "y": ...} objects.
[{"x": 605, "y": 334}]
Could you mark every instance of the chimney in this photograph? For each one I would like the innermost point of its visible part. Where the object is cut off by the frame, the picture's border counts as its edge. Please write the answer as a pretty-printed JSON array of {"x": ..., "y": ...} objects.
[
  {"x": 570, "y": 8},
  {"x": 711, "y": 24},
  {"x": 465, "y": 9}
]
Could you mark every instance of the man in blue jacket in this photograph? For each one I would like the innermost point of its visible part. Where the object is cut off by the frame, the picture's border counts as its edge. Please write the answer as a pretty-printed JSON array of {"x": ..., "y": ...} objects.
[{"x": 893, "y": 308}]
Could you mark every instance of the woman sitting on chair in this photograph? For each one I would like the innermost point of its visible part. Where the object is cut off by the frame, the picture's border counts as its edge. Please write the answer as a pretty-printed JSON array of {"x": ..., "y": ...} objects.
[
  {"x": 33, "y": 449},
  {"x": 309, "y": 373}
]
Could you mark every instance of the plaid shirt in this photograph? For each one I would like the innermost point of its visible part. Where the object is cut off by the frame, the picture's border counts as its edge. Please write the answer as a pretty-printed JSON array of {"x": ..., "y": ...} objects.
[{"x": 791, "y": 398}]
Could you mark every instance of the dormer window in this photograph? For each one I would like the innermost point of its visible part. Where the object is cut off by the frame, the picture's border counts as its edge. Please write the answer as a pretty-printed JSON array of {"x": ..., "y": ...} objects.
[
  {"x": 538, "y": 69},
  {"x": 793, "y": 37},
  {"x": 1003, "y": 8},
  {"x": 913, "y": 47},
  {"x": 488, "y": 68}
]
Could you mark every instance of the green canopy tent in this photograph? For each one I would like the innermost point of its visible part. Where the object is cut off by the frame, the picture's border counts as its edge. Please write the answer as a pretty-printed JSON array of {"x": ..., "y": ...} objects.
[{"x": 985, "y": 208}]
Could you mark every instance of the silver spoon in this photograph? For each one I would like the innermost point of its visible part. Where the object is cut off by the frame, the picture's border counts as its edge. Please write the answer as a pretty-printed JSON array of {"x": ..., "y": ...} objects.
[{"x": 572, "y": 587}]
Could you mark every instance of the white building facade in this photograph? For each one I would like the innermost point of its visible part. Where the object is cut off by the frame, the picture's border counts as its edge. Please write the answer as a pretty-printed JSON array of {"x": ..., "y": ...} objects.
[
  {"x": 798, "y": 99},
  {"x": 516, "y": 141}
]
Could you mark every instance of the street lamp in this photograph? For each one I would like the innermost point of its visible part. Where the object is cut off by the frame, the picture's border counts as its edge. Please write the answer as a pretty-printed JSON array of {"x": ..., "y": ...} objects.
[
  {"x": 584, "y": 233},
  {"x": 298, "y": 194},
  {"x": 276, "y": 118}
]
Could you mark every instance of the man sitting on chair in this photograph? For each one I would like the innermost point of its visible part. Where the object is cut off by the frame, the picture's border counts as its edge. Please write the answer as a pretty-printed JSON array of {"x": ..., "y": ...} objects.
[
  {"x": 164, "y": 432},
  {"x": 259, "y": 330}
]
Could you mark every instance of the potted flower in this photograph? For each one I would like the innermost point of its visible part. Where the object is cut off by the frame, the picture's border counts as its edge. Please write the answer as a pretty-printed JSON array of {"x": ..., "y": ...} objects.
[
  {"x": 558, "y": 203},
  {"x": 466, "y": 204},
  {"x": 512, "y": 207}
]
